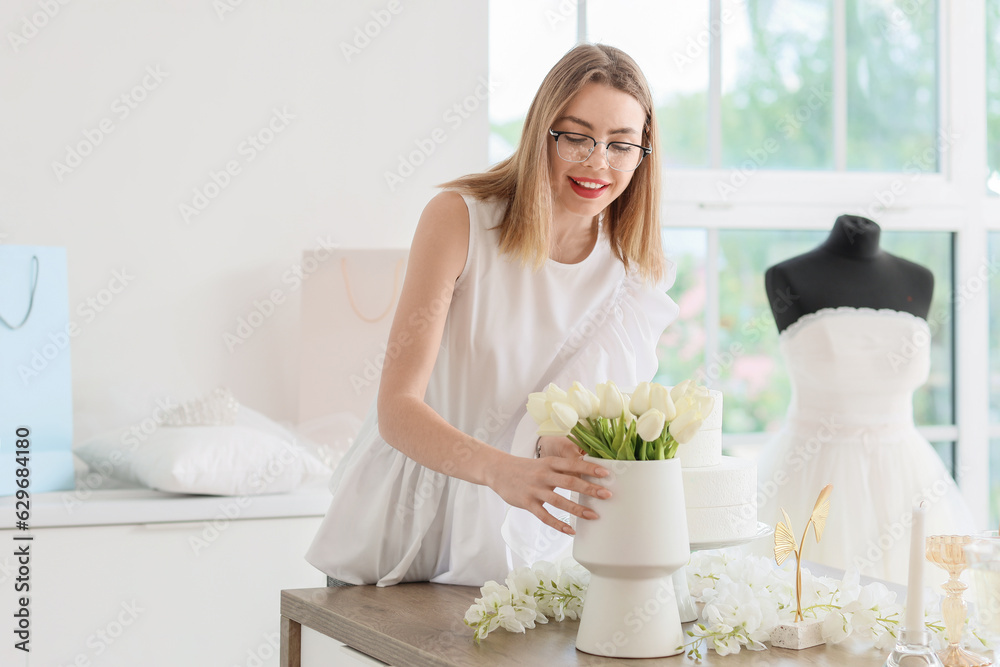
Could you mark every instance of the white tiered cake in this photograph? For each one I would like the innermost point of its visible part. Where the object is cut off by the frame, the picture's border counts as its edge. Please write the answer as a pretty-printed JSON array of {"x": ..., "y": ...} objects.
[{"x": 720, "y": 492}]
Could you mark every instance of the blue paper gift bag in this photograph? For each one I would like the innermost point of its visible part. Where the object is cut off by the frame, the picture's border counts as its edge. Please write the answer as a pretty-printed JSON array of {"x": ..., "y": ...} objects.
[{"x": 36, "y": 394}]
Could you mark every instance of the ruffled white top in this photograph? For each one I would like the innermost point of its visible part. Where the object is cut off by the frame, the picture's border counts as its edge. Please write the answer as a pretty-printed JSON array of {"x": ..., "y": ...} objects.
[{"x": 510, "y": 330}]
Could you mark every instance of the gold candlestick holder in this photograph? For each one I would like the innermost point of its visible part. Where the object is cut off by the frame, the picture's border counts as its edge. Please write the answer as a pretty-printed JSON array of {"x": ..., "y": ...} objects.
[{"x": 948, "y": 553}]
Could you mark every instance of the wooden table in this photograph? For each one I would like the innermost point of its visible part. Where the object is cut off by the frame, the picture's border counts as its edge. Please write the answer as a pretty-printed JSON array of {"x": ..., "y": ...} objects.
[{"x": 421, "y": 624}]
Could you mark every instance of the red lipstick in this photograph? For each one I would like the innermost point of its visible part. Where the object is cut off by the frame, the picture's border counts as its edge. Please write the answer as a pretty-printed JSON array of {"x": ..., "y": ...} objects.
[{"x": 588, "y": 192}]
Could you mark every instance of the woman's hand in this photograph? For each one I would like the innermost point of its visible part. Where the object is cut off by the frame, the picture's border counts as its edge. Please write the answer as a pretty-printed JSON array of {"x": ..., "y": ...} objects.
[{"x": 529, "y": 483}]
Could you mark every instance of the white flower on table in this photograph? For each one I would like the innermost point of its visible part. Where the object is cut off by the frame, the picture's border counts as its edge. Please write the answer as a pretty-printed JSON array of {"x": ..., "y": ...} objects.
[
  {"x": 529, "y": 596},
  {"x": 837, "y": 626},
  {"x": 501, "y": 607}
]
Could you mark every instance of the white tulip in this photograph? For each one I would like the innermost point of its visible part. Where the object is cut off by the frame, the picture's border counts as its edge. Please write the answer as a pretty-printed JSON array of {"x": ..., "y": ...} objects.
[
  {"x": 650, "y": 425},
  {"x": 639, "y": 401},
  {"x": 582, "y": 400},
  {"x": 538, "y": 406},
  {"x": 704, "y": 405},
  {"x": 595, "y": 404},
  {"x": 680, "y": 390},
  {"x": 554, "y": 393},
  {"x": 564, "y": 416},
  {"x": 612, "y": 404},
  {"x": 548, "y": 427},
  {"x": 659, "y": 398},
  {"x": 684, "y": 427},
  {"x": 627, "y": 409}
]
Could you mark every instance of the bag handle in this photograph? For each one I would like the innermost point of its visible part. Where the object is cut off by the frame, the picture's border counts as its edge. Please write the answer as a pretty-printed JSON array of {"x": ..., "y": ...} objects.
[
  {"x": 31, "y": 299},
  {"x": 350, "y": 296}
]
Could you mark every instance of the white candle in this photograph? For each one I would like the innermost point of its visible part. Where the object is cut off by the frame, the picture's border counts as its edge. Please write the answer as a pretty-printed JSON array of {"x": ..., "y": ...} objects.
[{"x": 915, "y": 581}]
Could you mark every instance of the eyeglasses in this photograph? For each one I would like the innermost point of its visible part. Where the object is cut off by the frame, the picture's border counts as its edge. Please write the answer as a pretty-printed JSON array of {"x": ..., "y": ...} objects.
[{"x": 621, "y": 156}]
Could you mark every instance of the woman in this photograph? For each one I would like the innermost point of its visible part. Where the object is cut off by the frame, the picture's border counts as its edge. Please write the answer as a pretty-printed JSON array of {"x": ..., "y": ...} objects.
[{"x": 542, "y": 269}]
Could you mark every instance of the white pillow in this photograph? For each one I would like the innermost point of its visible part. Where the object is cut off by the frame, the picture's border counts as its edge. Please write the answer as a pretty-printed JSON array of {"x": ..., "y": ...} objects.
[{"x": 211, "y": 460}]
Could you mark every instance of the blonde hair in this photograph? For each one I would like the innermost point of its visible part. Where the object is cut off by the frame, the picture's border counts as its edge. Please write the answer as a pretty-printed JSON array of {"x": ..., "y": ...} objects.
[{"x": 632, "y": 221}]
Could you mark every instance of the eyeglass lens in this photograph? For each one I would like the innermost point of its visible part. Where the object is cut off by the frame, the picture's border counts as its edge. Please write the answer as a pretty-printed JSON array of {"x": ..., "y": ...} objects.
[{"x": 578, "y": 147}]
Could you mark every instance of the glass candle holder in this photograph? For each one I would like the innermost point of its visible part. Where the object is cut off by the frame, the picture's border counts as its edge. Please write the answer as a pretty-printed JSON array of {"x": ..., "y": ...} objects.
[
  {"x": 948, "y": 553},
  {"x": 982, "y": 556}
]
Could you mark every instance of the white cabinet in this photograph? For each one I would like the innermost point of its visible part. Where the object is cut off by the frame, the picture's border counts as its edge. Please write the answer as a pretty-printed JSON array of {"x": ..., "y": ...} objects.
[
  {"x": 318, "y": 650},
  {"x": 167, "y": 594}
]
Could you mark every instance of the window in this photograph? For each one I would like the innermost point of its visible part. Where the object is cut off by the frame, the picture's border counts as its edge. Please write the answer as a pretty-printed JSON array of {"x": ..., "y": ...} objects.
[
  {"x": 993, "y": 93},
  {"x": 682, "y": 346},
  {"x": 892, "y": 102},
  {"x": 780, "y": 103},
  {"x": 669, "y": 44},
  {"x": 994, "y": 378},
  {"x": 523, "y": 46},
  {"x": 777, "y": 84}
]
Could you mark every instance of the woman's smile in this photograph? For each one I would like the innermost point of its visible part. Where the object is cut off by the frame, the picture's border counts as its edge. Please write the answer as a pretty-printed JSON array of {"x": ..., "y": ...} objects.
[{"x": 588, "y": 187}]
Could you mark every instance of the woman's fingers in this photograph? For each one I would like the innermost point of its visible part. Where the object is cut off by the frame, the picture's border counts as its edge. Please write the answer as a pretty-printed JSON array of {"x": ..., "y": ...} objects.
[
  {"x": 551, "y": 521},
  {"x": 570, "y": 478},
  {"x": 565, "y": 504},
  {"x": 532, "y": 483},
  {"x": 579, "y": 467},
  {"x": 571, "y": 483}
]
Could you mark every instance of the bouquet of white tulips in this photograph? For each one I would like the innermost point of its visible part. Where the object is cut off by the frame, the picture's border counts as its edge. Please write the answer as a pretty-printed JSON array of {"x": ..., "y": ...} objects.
[{"x": 646, "y": 425}]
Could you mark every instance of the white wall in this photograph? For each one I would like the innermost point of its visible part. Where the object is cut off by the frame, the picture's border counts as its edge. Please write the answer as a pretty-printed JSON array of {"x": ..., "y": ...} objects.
[{"x": 224, "y": 74}]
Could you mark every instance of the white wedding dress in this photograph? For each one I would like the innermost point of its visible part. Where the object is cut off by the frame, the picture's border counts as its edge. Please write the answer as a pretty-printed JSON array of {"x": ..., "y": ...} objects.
[
  {"x": 850, "y": 423},
  {"x": 510, "y": 331}
]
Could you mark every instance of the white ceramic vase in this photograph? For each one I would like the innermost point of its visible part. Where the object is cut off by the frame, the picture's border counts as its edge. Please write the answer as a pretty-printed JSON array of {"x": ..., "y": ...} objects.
[{"x": 631, "y": 551}]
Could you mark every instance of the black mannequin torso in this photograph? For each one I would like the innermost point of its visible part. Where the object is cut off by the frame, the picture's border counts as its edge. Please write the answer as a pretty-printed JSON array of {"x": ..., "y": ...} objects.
[{"x": 848, "y": 269}]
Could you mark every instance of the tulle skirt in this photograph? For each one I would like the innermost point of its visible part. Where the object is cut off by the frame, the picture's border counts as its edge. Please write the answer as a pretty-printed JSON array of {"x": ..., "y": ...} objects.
[{"x": 879, "y": 473}]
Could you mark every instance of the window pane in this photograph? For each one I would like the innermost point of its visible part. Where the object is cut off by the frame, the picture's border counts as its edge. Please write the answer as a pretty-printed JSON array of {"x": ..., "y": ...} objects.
[
  {"x": 526, "y": 38},
  {"x": 994, "y": 482},
  {"x": 892, "y": 85},
  {"x": 993, "y": 92},
  {"x": 670, "y": 44},
  {"x": 994, "y": 252},
  {"x": 946, "y": 450},
  {"x": 934, "y": 402},
  {"x": 749, "y": 366},
  {"x": 682, "y": 346},
  {"x": 777, "y": 106}
]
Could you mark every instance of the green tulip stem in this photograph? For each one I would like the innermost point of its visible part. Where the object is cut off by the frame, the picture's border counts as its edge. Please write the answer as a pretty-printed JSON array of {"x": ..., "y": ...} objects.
[{"x": 617, "y": 440}]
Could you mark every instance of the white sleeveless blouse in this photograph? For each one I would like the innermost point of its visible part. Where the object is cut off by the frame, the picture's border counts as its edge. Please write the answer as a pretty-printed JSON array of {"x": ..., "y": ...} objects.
[{"x": 510, "y": 330}]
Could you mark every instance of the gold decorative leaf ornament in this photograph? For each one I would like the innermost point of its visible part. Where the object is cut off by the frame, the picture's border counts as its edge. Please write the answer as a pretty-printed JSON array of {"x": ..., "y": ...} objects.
[{"x": 784, "y": 540}]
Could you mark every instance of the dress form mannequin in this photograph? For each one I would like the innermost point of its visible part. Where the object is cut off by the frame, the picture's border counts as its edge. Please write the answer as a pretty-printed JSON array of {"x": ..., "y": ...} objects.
[
  {"x": 847, "y": 269},
  {"x": 856, "y": 345}
]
